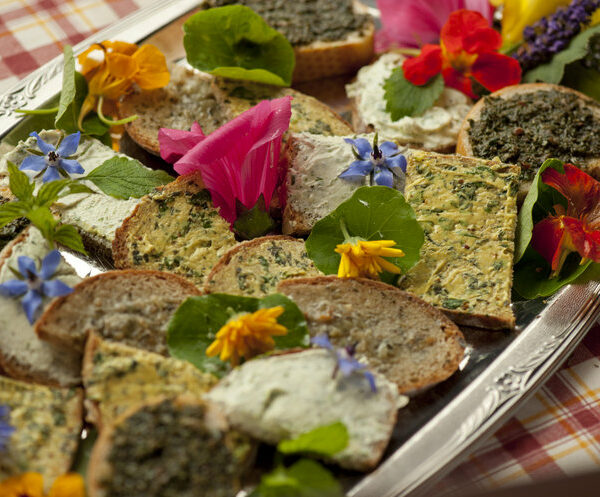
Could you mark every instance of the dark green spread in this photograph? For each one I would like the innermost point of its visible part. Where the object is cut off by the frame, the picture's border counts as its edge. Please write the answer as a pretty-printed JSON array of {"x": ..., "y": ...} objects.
[
  {"x": 166, "y": 450},
  {"x": 305, "y": 21},
  {"x": 529, "y": 128}
]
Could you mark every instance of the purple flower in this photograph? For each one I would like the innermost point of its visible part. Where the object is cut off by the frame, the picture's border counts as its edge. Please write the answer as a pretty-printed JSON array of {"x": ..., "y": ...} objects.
[
  {"x": 6, "y": 430},
  {"x": 54, "y": 160},
  {"x": 35, "y": 285},
  {"x": 345, "y": 361},
  {"x": 381, "y": 162}
]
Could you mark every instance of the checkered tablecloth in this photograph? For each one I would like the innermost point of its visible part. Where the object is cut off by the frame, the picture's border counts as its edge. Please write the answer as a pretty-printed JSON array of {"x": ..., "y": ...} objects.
[{"x": 556, "y": 433}]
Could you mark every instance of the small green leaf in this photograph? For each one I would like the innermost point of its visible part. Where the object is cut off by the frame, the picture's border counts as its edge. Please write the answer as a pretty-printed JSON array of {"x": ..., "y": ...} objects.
[
  {"x": 372, "y": 213},
  {"x": 405, "y": 99},
  {"x": 43, "y": 220},
  {"x": 323, "y": 441},
  {"x": 255, "y": 222},
  {"x": 305, "y": 478},
  {"x": 68, "y": 92},
  {"x": 195, "y": 324},
  {"x": 19, "y": 183},
  {"x": 50, "y": 192},
  {"x": 124, "y": 178},
  {"x": 235, "y": 42},
  {"x": 11, "y": 211},
  {"x": 67, "y": 235}
]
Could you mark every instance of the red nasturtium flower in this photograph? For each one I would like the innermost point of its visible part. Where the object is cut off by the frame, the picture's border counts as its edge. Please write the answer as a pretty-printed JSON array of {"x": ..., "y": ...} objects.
[
  {"x": 468, "y": 49},
  {"x": 574, "y": 229}
]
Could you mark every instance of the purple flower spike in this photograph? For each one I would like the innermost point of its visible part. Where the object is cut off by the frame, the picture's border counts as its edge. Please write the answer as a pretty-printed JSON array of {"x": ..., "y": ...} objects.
[
  {"x": 54, "y": 160},
  {"x": 6, "y": 430},
  {"x": 33, "y": 285}
]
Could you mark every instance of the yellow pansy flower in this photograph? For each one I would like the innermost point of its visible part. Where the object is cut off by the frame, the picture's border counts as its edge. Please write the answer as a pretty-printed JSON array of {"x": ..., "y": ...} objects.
[
  {"x": 32, "y": 485},
  {"x": 366, "y": 258},
  {"x": 247, "y": 335}
]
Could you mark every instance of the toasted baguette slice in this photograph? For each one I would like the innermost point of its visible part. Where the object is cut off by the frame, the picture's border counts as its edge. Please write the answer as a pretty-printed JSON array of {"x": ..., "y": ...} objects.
[
  {"x": 175, "y": 447},
  {"x": 117, "y": 377},
  {"x": 254, "y": 268},
  {"x": 47, "y": 424},
  {"x": 399, "y": 335},
  {"x": 282, "y": 396},
  {"x": 590, "y": 163},
  {"x": 132, "y": 307},
  {"x": 174, "y": 229},
  {"x": 22, "y": 354}
]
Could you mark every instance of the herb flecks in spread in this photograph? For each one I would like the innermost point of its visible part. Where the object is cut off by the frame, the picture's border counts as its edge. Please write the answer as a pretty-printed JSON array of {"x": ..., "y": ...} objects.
[
  {"x": 247, "y": 335},
  {"x": 32, "y": 485},
  {"x": 54, "y": 161},
  {"x": 529, "y": 128},
  {"x": 6, "y": 430}
]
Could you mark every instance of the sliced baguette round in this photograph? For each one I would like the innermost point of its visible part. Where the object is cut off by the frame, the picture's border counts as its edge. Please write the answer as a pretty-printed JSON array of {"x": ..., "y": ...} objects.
[
  {"x": 132, "y": 307},
  {"x": 399, "y": 335}
]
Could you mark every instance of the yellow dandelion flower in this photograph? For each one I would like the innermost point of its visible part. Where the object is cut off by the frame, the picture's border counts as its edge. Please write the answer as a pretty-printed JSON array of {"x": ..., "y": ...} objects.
[
  {"x": 32, "y": 485},
  {"x": 247, "y": 335},
  {"x": 366, "y": 258}
]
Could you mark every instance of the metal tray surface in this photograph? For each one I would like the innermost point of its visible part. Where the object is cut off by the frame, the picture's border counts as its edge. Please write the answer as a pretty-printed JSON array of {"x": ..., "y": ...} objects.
[{"x": 442, "y": 425}]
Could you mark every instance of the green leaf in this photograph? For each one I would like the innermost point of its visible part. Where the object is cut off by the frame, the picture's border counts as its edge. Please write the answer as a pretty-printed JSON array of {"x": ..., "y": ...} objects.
[
  {"x": 123, "y": 178},
  {"x": 49, "y": 192},
  {"x": 67, "y": 235},
  {"x": 19, "y": 183},
  {"x": 372, "y": 213},
  {"x": 553, "y": 71},
  {"x": 405, "y": 99},
  {"x": 11, "y": 211},
  {"x": 305, "y": 478},
  {"x": 583, "y": 79},
  {"x": 323, "y": 441},
  {"x": 235, "y": 42},
  {"x": 68, "y": 92},
  {"x": 195, "y": 324},
  {"x": 255, "y": 222},
  {"x": 43, "y": 219}
]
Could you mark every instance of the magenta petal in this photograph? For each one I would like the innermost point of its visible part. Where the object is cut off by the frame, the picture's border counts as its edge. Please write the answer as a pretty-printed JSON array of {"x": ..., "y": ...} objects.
[{"x": 175, "y": 143}]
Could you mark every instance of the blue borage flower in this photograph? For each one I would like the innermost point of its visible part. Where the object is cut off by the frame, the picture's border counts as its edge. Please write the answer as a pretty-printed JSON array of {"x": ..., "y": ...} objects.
[
  {"x": 6, "y": 430},
  {"x": 381, "y": 162},
  {"x": 53, "y": 160},
  {"x": 35, "y": 285},
  {"x": 346, "y": 363}
]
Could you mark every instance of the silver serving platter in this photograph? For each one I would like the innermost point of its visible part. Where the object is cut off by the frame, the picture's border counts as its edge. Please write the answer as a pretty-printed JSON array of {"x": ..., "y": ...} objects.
[{"x": 500, "y": 371}]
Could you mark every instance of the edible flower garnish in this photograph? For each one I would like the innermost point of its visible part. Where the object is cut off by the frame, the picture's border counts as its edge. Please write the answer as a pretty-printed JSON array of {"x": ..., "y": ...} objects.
[
  {"x": 113, "y": 72},
  {"x": 380, "y": 162},
  {"x": 468, "y": 50},
  {"x": 247, "y": 335},
  {"x": 345, "y": 361},
  {"x": 6, "y": 430},
  {"x": 53, "y": 161},
  {"x": 238, "y": 161},
  {"x": 32, "y": 485},
  {"x": 33, "y": 284},
  {"x": 575, "y": 228},
  {"x": 412, "y": 23}
]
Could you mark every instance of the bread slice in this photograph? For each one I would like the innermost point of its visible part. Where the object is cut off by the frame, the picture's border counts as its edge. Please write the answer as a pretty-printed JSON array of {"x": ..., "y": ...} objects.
[
  {"x": 435, "y": 130},
  {"x": 47, "y": 424},
  {"x": 254, "y": 268},
  {"x": 538, "y": 116},
  {"x": 283, "y": 396},
  {"x": 22, "y": 354},
  {"x": 175, "y": 229},
  {"x": 467, "y": 209},
  {"x": 175, "y": 447},
  {"x": 117, "y": 377},
  {"x": 397, "y": 334},
  {"x": 132, "y": 307}
]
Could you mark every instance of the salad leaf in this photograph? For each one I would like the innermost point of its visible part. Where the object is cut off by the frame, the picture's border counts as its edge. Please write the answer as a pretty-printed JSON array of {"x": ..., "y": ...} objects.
[
  {"x": 405, "y": 99},
  {"x": 323, "y": 441},
  {"x": 235, "y": 42}
]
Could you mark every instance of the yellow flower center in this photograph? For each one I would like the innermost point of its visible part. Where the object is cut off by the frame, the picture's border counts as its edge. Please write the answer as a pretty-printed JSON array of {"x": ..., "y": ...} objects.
[
  {"x": 247, "y": 335},
  {"x": 366, "y": 258}
]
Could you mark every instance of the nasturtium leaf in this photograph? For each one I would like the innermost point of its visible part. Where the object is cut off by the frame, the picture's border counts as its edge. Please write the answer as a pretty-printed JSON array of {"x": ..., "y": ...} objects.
[
  {"x": 584, "y": 79},
  {"x": 305, "y": 478},
  {"x": 124, "y": 178},
  {"x": 405, "y": 99},
  {"x": 195, "y": 324},
  {"x": 67, "y": 235},
  {"x": 235, "y": 42},
  {"x": 372, "y": 213},
  {"x": 322, "y": 441},
  {"x": 19, "y": 183}
]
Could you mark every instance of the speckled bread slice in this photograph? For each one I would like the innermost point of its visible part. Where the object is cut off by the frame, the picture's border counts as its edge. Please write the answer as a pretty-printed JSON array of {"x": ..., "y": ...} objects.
[
  {"x": 47, "y": 424},
  {"x": 465, "y": 147},
  {"x": 175, "y": 447},
  {"x": 22, "y": 354},
  {"x": 397, "y": 334},
  {"x": 117, "y": 377},
  {"x": 254, "y": 268},
  {"x": 277, "y": 397},
  {"x": 174, "y": 229},
  {"x": 132, "y": 307},
  {"x": 467, "y": 208},
  {"x": 187, "y": 98}
]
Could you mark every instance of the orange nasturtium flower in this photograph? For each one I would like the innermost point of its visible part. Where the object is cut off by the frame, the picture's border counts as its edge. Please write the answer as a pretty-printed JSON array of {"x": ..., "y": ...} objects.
[
  {"x": 574, "y": 229},
  {"x": 247, "y": 335},
  {"x": 366, "y": 258},
  {"x": 119, "y": 67},
  {"x": 468, "y": 50},
  {"x": 32, "y": 485}
]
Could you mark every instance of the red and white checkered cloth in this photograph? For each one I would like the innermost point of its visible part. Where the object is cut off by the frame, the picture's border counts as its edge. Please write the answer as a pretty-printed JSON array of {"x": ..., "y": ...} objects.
[{"x": 556, "y": 433}]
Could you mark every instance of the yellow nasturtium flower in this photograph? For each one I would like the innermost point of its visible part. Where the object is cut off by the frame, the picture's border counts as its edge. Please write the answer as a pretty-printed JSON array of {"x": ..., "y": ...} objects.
[
  {"x": 518, "y": 14},
  {"x": 32, "y": 485},
  {"x": 366, "y": 258}
]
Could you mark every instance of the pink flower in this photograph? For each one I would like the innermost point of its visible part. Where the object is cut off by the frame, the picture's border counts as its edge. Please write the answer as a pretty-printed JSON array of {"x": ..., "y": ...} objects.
[
  {"x": 414, "y": 23},
  {"x": 240, "y": 160}
]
